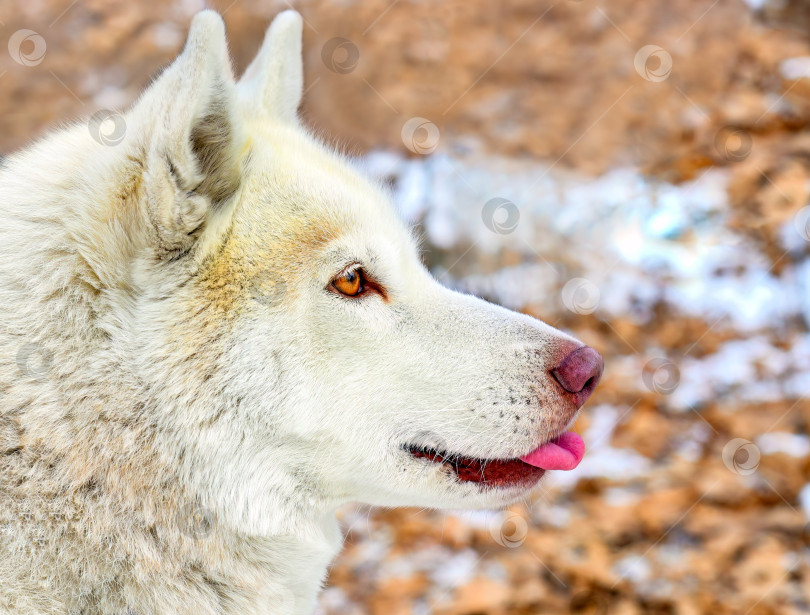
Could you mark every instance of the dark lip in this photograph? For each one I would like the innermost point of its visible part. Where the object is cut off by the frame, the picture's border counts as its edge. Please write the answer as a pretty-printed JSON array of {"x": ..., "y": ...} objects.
[{"x": 481, "y": 471}]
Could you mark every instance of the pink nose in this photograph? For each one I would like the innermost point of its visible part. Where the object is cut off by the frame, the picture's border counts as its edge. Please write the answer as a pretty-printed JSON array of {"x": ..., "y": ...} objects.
[{"x": 579, "y": 373}]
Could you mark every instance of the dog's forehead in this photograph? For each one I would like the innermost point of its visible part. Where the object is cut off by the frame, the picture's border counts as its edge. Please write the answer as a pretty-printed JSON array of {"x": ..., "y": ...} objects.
[
  {"x": 294, "y": 183},
  {"x": 301, "y": 209}
]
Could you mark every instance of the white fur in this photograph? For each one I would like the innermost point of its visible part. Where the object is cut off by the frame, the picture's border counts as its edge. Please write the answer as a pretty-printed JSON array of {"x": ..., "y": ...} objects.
[{"x": 183, "y": 403}]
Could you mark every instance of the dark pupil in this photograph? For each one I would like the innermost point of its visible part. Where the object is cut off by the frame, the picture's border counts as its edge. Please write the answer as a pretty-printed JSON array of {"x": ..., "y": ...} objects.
[{"x": 351, "y": 277}]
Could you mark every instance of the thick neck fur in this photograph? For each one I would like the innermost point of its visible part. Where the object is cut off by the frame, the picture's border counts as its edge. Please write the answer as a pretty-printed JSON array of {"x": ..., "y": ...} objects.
[{"x": 91, "y": 444}]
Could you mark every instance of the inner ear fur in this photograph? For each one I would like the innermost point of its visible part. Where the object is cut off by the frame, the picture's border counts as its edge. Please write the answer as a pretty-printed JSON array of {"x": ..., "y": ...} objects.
[{"x": 189, "y": 114}]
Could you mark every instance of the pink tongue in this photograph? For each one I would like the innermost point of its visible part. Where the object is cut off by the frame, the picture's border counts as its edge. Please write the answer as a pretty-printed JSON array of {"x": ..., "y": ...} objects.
[{"x": 564, "y": 453}]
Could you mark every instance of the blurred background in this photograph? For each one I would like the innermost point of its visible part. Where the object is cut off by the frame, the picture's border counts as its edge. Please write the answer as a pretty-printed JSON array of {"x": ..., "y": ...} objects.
[{"x": 637, "y": 173}]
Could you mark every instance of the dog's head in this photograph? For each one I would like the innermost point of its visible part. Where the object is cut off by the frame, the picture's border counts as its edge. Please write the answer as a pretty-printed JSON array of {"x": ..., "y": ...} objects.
[{"x": 281, "y": 297}]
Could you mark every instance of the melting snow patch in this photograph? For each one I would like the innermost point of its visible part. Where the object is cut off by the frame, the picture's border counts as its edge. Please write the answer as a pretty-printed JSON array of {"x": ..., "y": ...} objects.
[
  {"x": 640, "y": 242},
  {"x": 606, "y": 462},
  {"x": 756, "y": 5},
  {"x": 480, "y": 519},
  {"x": 795, "y": 68},
  {"x": 335, "y": 600},
  {"x": 804, "y": 501},
  {"x": 634, "y": 568},
  {"x": 621, "y": 496},
  {"x": 794, "y": 445},
  {"x": 691, "y": 447},
  {"x": 555, "y": 516},
  {"x": 750, "y": 370},
  {"x": 456, "y": 570}
]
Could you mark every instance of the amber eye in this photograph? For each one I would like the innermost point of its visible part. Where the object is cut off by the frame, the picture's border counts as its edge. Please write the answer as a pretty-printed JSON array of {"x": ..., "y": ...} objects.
[{"x": 349, "y": 283}]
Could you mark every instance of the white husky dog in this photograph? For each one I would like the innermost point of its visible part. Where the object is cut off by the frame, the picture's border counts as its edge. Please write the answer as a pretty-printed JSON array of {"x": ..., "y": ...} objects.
[{"x": 215, "y": 332}]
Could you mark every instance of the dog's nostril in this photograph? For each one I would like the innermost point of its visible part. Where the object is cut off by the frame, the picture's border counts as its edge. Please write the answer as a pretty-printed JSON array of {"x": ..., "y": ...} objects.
[{"x": 580, "y": 371}]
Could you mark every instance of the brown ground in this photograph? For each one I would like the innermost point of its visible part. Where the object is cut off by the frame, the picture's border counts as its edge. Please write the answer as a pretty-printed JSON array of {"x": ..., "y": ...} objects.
[{"x": 552, "y": 81}]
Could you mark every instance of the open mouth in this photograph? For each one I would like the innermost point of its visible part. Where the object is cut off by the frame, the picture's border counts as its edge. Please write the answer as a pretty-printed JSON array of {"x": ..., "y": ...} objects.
[
  {"x": 562, "y": 453},
  {"x": 495, "y": 472}
]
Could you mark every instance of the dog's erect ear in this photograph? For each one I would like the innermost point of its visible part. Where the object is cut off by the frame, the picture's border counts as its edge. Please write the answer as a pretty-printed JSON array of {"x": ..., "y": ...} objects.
[
  {"x": 273, "y": 83},
  {"x": 193, "y": 144}
]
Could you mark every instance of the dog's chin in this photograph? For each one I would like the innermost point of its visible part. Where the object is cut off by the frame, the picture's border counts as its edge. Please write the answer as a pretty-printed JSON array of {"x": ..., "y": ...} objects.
[
  {"x": 428, "y": 479},
  {"x": 437, "y": 485}
]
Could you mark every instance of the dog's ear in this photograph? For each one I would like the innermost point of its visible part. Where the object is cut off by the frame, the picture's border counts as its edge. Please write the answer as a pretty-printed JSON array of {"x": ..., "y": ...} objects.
[
  {"x": 273, "y": 83},
  {"x": 192, "y": 146}
]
